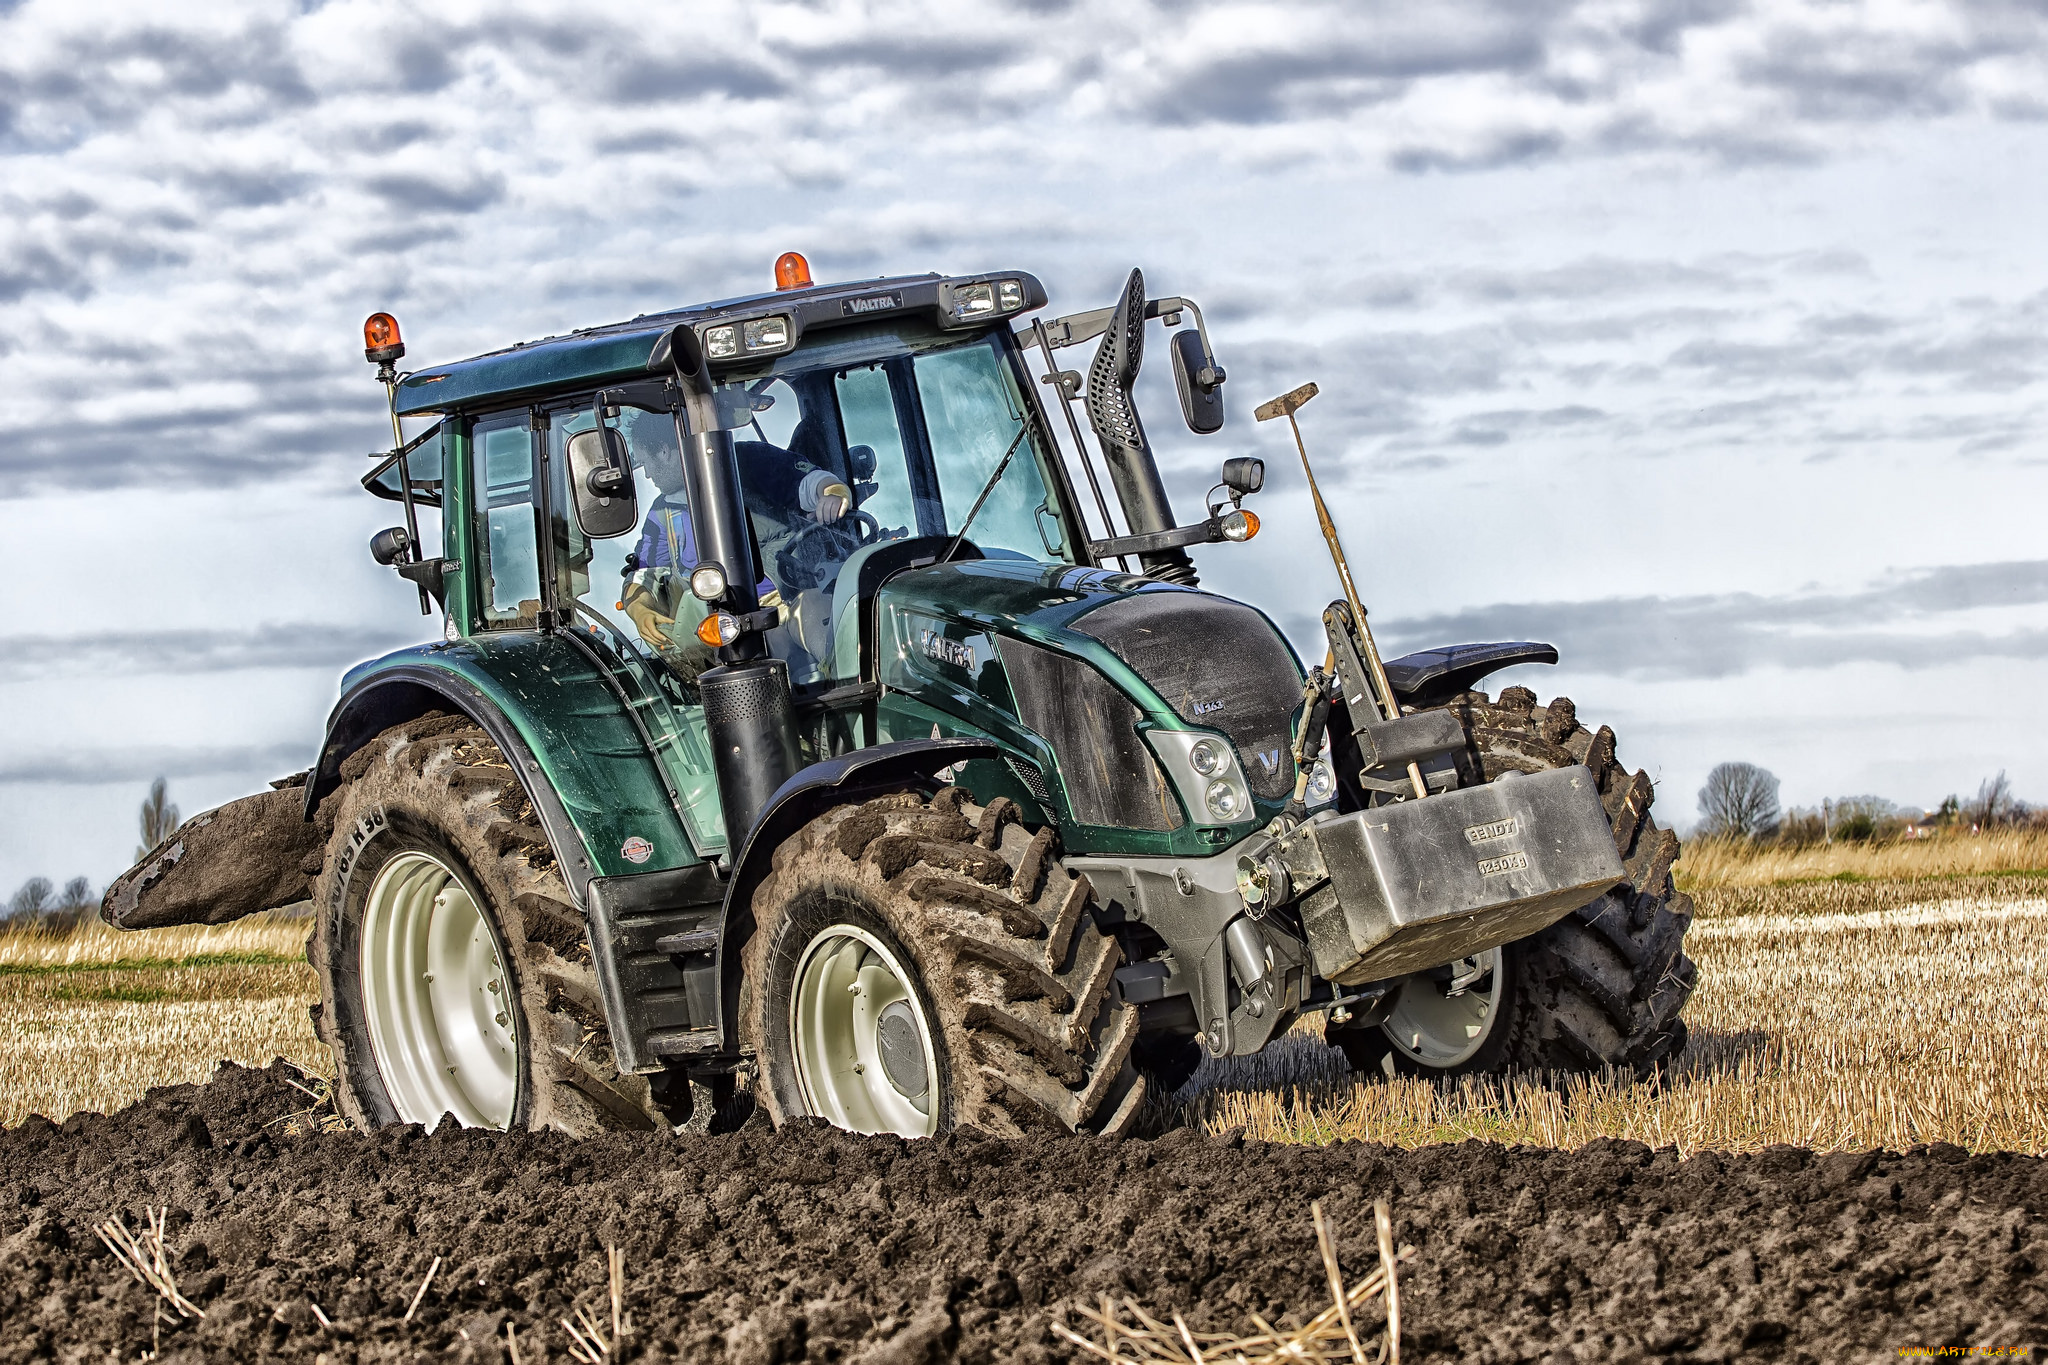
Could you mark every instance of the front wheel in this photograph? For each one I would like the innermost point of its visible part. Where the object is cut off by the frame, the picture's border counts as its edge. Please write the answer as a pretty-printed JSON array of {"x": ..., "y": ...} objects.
[{"x": 920, "y": 964}]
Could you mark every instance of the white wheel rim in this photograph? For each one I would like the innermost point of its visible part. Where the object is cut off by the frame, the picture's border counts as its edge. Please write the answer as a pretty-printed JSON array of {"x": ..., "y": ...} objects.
[
  {"x": 861, "y": 1040},
  {"x": 437, "y": 999},
  {"x": 1433, "y": 1028}
]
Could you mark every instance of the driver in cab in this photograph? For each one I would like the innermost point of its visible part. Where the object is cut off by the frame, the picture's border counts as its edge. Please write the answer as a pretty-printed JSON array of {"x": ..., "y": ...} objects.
[{"x": 656, "y": 593}]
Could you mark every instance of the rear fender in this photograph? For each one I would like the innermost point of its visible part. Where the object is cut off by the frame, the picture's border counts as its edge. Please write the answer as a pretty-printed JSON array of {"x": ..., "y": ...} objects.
[
  {"x": 595, "y": 789},
  {"x": 395, "y": 695}
]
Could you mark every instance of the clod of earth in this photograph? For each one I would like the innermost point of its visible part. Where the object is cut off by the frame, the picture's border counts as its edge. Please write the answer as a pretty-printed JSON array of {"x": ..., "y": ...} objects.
[
  {"x": 254, "y": 854},
  {"x": 817, "y": 1244}
]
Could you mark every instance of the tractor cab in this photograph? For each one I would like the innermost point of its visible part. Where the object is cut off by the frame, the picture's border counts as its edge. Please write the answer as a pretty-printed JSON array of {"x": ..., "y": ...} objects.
[{"x": 844, "y": 435}]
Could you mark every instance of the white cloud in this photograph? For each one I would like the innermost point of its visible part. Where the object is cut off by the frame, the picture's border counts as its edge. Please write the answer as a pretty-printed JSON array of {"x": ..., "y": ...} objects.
[{"x": 1623, "y": 301}]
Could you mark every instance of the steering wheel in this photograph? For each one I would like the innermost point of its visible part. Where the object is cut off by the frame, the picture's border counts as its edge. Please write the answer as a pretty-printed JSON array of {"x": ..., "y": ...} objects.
[{"x": 801, "y": 561}]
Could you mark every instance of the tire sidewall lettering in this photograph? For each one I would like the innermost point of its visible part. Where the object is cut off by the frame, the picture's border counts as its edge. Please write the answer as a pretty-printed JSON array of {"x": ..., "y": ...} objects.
[{"x": 372, "y": 823}]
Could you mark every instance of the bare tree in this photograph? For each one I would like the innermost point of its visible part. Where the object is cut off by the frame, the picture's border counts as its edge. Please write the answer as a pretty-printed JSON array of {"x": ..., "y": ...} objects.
[
  {"x": 1740, "y": 801},
  {"x": 159, "y": 818},
  {"x": 1995, "y": 803},
  {"x": 35, "y": 897}
]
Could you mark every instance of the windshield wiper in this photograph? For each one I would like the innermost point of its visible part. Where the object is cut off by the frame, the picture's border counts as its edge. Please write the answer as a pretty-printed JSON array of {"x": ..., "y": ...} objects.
[{"x": 986, "y": 489}]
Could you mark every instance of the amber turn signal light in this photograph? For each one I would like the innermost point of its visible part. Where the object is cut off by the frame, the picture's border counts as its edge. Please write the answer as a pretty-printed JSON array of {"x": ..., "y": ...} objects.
[
  {"x": 381, "y": 342},
  {"x": 792, "y": 271},
  {"x": 1240, "y": 525},
  {"x": 719, "y": 628}
]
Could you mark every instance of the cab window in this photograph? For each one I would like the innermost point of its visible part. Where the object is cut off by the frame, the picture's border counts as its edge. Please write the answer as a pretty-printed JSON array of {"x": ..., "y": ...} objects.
[{"x": 507, "y": 523}]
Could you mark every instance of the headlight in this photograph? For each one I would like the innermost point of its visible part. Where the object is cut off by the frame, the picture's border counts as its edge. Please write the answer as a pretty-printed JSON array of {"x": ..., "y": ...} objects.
[
  {"x": 1010, "y": 294},
  {"x": 707, "y": 581},
  {"x": 1322, "y": 785},
  {"x": 1239, "y": 525},
  {"x": 972, "y": 300},
  {"x": 1207, "y": 758},
  {"x": 767, "y": 334},
  {"x": 723, "y": 340},
  {"x": 1223, "y": 800}
]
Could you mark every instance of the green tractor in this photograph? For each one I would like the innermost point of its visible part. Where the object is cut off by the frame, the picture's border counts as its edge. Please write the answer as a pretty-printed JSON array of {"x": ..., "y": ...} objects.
[{"x": 792, "y": 742}]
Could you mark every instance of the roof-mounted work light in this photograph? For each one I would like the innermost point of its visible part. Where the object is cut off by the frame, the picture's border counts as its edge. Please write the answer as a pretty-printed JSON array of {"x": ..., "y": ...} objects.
[{"x": 792, "y": 271}]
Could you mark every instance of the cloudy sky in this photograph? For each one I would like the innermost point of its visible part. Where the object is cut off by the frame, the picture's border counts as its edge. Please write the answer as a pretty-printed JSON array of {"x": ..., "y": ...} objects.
[{"x": 1704, "y": 340}]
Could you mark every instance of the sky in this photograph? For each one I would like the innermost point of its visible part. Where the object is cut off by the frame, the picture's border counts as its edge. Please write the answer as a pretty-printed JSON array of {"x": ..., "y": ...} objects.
[{"x": 1705, "y": 341}]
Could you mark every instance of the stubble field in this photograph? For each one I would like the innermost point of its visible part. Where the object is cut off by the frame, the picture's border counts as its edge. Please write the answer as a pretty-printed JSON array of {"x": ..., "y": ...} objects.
[{"x": 1843, "y": 1165}]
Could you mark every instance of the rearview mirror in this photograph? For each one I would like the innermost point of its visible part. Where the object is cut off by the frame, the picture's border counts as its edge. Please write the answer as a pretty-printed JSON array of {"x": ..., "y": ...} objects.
[
  {"x": 601, "y": 484},
  {"x": 1199, "y": 380}
]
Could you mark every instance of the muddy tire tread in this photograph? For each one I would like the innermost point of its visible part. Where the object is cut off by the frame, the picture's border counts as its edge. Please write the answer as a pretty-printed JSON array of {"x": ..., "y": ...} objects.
[
  {"x": 447, "y": 768},
  {"x": 1003, "y": 938},
  {"x": 1613, "y": 974}
]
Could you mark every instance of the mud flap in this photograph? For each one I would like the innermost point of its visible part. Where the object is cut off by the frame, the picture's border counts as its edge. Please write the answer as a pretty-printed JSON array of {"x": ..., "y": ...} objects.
[{"x": 254, "y": 854}]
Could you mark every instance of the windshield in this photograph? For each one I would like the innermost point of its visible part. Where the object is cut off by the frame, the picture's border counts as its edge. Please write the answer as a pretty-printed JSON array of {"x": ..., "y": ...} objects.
[{"x": 880, "y": 434}]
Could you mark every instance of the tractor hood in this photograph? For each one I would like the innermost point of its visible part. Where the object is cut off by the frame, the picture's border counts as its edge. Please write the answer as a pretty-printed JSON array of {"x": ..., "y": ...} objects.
[{"x": 1089, "y": 661}]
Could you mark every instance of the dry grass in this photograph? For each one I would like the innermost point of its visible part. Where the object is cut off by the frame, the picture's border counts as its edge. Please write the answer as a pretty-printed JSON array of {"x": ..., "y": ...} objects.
[
  {"x": 1854, "y": 897},
  {"x": 1707, "y": 864},
  {"x": 1831, "y": 1014},
  {"x": 1881, "y": 1025},
  {"x": 94, "y": 1017}
]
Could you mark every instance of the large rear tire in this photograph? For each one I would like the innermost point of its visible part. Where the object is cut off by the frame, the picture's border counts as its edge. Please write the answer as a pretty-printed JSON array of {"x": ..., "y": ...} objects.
[
  {"x": 455, "y": 976},
  {"x": 1603, "y": 986},
  {"x": 921, "y": 964}
]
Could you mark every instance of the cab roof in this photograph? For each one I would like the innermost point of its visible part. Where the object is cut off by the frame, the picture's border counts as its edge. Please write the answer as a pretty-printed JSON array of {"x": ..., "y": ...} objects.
[{"x": 620, "y": 351}]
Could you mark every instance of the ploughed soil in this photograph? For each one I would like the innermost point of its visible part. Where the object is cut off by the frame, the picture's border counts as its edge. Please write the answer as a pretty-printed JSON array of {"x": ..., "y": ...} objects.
[{"x": 816, "y": 1245}]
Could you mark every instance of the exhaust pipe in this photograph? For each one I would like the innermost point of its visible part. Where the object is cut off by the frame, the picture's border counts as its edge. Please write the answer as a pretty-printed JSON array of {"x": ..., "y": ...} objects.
[
  {"x": 1111, "y": 376},
  {"x": 748, "y": 715}
]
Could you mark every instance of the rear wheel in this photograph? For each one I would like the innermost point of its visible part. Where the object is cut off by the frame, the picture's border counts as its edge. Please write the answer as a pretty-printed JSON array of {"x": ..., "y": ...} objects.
[
  {"x": 454, "y": 973},
  {"x": 1601, "y": 987},
  {"x": 920, "y": 964}
]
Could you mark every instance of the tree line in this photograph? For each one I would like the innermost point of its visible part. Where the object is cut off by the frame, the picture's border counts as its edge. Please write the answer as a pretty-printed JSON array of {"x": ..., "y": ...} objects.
[
  {"x": 40, "y": 901},
  {"x": 1740, "y": 802}
]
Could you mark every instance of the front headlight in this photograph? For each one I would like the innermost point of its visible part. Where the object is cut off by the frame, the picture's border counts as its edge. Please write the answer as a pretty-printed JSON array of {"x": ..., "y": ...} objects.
[
  {"x": 1206, "y": 773},
  {"x": 722, "y": 341},
  {"x": 1010, "y": 294},
  {"x": 1322, "y": 785},
  {"x": 1223, "y": 800}
]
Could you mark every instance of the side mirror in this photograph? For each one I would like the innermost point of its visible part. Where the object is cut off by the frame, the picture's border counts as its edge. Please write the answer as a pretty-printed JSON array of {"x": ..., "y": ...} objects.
[
  {"x": 1199, "y": 380},
  {"x": 1244, "y": 475},
  {"x": 601, "y": 484}
]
